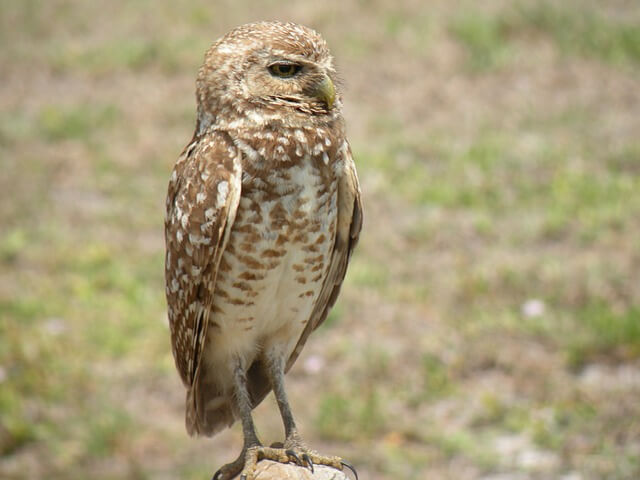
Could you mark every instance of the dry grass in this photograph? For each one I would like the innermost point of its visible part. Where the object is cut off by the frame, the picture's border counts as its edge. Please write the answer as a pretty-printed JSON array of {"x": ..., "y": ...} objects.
[{"x": 490, "y": 325}]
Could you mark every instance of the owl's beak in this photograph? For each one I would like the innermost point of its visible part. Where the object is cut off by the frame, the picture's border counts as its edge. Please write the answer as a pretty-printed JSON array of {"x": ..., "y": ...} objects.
[{"x": 325, "y": 92}]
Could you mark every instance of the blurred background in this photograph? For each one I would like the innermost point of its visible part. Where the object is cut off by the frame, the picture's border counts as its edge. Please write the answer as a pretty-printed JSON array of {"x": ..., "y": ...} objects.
[{"x": 489, "y": 327}]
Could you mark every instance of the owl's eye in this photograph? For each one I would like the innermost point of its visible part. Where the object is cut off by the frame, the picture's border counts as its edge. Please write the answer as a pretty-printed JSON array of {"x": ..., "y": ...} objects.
[{"x": 284, "y": 70}]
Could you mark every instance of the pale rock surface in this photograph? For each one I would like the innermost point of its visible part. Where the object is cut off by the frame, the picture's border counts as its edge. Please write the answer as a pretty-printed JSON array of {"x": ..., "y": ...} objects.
[{"x": 269, "y": 470}]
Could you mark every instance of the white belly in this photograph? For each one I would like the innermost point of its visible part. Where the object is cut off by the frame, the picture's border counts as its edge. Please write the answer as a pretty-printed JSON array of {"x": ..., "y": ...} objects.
[{"x": 273, "y": 268}]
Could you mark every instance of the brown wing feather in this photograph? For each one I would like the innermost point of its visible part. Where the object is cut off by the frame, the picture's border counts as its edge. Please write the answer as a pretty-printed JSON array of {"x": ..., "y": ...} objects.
[
  {"x": 202, "y": 199},
  {"x": 349, "y": 224}
]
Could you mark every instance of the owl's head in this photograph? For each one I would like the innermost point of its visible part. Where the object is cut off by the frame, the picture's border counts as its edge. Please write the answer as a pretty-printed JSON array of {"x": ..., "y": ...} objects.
[{"x": 268, "y": 72}]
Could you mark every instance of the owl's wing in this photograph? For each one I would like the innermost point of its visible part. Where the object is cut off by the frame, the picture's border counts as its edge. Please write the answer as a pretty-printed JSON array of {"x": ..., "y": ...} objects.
[
  {"x": 202, "y": 199},
  {"x": 349, "y": 224}
]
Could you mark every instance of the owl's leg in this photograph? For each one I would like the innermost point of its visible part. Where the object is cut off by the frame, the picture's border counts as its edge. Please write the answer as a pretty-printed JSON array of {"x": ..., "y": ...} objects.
[
  {"x": 293, "y": 449},
  {"x": 242, "y": 406},
  {"x": 293, "y": 445},
  {"x": 252, "y": 451}
]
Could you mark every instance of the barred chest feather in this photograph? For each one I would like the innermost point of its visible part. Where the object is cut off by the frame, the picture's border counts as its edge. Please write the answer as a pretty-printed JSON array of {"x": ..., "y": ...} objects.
[{"x": 278, "y": 252}]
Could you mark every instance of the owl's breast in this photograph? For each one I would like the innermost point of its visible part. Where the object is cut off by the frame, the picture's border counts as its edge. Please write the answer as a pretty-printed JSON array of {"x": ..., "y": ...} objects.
[{"x": 276, "y": 258}]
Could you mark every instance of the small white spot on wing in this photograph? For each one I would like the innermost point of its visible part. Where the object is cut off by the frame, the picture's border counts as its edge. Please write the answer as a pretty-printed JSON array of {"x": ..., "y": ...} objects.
[
  {"x": 223, "y": 191},
  {"x": 300, "y": 136}
]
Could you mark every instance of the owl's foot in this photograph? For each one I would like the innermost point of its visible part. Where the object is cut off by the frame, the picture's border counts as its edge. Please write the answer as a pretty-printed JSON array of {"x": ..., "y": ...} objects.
[
  {"x": 302, "y": 455},
  {"x": 280, "y": 455},
  {"x": 246, "y": 464}
]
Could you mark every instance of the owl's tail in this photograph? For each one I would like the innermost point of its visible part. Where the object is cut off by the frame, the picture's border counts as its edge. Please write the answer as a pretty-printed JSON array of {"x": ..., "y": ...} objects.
[
  {"x": 209, "y": 408},
  {"x": 207, "y": 411}
]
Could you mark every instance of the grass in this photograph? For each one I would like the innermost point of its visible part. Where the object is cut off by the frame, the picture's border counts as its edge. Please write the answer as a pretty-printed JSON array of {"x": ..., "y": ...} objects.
[
  {"x": 585, "y": 32},
  {"x": 56, "y": 123},
  {"x": 344, "y": 419},
  {"x": 127, "y": 55},
  {"x": 490, "y": 41},
  {"x": 484, "y": 40},
  {"x": 604, "y": 333},
  {"x": 499, "y": 164}
]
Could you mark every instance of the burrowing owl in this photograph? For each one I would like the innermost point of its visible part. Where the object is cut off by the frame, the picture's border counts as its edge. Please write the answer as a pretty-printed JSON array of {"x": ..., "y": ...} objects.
[{"x": 262, "y": 214}]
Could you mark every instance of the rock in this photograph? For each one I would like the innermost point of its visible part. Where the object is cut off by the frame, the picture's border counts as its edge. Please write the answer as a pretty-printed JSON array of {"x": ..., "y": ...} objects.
[{"x": 269, "y": 470}]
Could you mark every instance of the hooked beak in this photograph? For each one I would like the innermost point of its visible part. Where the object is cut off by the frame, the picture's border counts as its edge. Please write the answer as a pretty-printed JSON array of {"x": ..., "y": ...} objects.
[{"x": 325, "y": 92}]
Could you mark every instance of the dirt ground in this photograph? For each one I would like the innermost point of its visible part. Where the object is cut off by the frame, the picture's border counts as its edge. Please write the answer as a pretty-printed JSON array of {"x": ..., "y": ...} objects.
[{"x": 489, "y": 326}]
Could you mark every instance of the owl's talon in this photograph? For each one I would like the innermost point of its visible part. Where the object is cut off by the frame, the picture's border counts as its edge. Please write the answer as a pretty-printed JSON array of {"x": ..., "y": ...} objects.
[
  {"x": 308, "y": 461},
  {"x": 231, "y": 470},
  {"x": 294, "y": 455},
  {"x": 350, "y": 467},
  {"x": 217, "y": 475}
]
